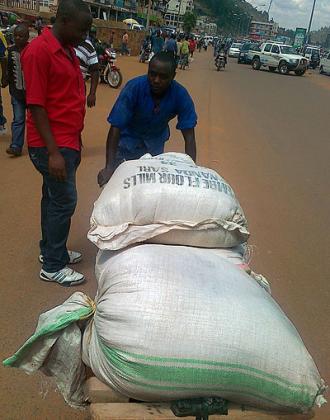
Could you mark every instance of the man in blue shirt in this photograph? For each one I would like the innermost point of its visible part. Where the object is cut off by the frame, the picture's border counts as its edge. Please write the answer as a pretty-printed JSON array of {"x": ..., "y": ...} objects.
[
  {"x": 171, "y": 45},
  {"x": 157, "y": 42},
  {"x": 139, "y": 119}
]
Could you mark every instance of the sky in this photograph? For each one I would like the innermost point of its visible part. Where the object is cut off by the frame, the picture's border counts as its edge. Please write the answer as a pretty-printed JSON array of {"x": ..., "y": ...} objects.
[{"x": 296, "y": 13}]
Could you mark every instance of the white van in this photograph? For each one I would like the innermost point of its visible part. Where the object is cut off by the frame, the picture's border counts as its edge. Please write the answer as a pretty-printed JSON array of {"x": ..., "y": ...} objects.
[{"x": 308, "y": 50}]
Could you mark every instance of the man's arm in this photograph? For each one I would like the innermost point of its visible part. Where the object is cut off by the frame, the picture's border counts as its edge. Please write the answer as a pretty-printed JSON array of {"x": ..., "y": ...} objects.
[
  {"x": 56, "y": 162},
  {"x": 190, "y": 142},
  {"x": 95, "y": 75},
  {"x": 187, "y": 120},
  {"x": 111, "y": 151}
]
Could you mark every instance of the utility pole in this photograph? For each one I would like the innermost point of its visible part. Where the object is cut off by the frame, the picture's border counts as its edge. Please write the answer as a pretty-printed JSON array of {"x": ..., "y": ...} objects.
[
  {"x": 310, "y": 21},
  {"x": 270, "y": 5}
]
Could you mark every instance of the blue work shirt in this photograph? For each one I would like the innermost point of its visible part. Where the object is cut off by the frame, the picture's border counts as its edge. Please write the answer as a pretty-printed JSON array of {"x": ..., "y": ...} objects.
[
  {"x": 171, "y": 45},
  {"x": 143, "y": 124},
  {"x": 157, "y": 43}
]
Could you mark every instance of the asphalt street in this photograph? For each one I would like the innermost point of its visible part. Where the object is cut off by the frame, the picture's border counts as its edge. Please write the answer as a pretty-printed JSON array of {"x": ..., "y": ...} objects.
[{"x": 267, "y": 134}]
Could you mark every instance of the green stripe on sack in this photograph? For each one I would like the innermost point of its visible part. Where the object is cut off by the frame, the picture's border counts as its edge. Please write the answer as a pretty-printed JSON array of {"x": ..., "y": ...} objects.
[
  {"x": 245, "y": 393},
  {"x": 59, "y": 324},
  {"x": 264, "y": 386}
]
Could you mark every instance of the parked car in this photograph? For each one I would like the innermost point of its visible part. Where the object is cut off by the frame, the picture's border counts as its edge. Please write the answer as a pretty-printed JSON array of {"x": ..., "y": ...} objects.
[
  {"x": 309, "y": 50},
  {"x": 255, "y": 49},
  {"x": 281, "y": 57},
  {"x": 325, "y": 65},
  {"x": 244, "y": 56},
  {"x": 136, "y": 27},
  {"x": 234, "y": 50}
]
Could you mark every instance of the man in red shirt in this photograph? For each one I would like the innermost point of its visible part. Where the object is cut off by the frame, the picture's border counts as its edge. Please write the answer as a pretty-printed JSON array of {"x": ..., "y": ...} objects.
[{"x": 55, "y": 96}]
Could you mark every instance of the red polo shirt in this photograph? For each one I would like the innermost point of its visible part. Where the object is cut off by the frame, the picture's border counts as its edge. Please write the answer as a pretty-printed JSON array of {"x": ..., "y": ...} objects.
[{"x": 54, "y": 81}]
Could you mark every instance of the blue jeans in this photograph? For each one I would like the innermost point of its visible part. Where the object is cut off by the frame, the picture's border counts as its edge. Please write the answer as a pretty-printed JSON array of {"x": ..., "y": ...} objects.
[
  {"x": 3, "y": 119},
  {"x": 58, "y": 204},
  {"x": 18, "y": 124}
]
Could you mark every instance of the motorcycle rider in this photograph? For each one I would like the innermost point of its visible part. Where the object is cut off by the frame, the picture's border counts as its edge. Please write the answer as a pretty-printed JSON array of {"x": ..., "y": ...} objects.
[
  {"x": 221, "y": 50},
  {"x": 145, "y": 49}
]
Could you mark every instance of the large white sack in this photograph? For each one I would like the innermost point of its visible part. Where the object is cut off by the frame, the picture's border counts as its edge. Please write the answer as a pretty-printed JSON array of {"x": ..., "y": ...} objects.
[
  {"x": 174, "y": 322},
  {"x": 167, "y": 199}
]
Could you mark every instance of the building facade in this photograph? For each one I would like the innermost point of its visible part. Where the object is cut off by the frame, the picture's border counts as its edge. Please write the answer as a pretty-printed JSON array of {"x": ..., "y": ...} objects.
[
  {"x": 101, "y": 9},
  {"x": 263, "y": 30},
  {"x": 175, "y": 10},
  {"x": 204, "y": 25}
]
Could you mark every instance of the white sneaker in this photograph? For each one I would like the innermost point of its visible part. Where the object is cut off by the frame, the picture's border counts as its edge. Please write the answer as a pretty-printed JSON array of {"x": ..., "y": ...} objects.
[
  {"x": 74, "y": 256},
  {"x": 65, "y": 277}
]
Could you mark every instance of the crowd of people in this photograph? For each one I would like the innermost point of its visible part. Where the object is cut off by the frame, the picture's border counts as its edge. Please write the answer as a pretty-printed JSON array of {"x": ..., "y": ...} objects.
[
  {"x": 180, "y": 46},
  {"x": 46, "y": 79}
]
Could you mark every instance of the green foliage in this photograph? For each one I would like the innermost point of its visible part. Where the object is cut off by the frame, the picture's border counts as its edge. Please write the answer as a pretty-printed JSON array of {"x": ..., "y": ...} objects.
[
  {"x": 321, "y": 36},
  {"x": 189, "y": 21},
  {"x": 232, "y": 16}
]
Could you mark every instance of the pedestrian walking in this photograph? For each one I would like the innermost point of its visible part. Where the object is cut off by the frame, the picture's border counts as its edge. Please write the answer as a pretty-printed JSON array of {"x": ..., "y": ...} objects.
[
  {"x": 200, "y": 44},
  {"x": 89, "y": 65},
  {"x": 192, "y": 46},
  {"x": 55, "y": 96},
  {"x": 16, "y": 83},
  {"x": 171, "y": 45},
  {"x": 157, "y": 42},
  {"x": 178, "y": 52},
  {"x": 140, "y": 117},
  {"x": 184, "y": 54},
  {"x": 124, "y": 45},
  {"x": 205, "y": 44},
  {"x": 111, "y": 40},
  {"x": 3, "y": 63},
  {"x": 38, "y": 25}
]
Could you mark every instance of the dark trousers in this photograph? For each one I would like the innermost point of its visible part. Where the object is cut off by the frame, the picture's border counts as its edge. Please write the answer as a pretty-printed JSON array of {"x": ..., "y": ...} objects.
[
  {"x": 18, "y": 124},
  {"x": 58, "y": 204}
]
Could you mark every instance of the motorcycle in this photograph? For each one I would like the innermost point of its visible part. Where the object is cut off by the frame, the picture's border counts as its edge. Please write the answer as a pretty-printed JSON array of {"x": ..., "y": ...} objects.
[
  {"x": 220, "y": 61},
  {"x": 109, "y": 72},
  {"x": 145, "y": 55}
]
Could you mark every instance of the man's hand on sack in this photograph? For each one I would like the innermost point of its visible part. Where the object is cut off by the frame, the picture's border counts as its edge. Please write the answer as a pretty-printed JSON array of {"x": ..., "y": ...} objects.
[{"x": 104, "y": 175}]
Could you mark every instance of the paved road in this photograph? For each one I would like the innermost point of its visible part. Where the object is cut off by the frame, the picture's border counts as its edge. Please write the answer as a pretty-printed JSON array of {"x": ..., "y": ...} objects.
[{"x": 267, "y": 134}]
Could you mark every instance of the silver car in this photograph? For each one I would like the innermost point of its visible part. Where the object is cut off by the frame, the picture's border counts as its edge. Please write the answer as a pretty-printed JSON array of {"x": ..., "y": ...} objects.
[{"x": 234, "y": 50}]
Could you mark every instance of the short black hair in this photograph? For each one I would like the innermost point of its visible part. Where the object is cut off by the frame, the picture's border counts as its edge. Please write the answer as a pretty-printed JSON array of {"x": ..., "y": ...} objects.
[
  {"x": 23, "y": 26},
  {"x": 165, "y": 57},
  {"x": 70, "y": 8}
]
